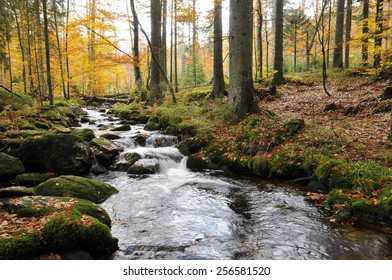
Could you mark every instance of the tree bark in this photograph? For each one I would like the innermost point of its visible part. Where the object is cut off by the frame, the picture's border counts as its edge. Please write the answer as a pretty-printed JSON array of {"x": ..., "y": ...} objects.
[
  {"x": 59, "y": 50},
  {"x": 339, "y": 28},
  {"x": 260, "y": 40},
  {"x": 136, "y": 53},
  {"x": 278, "y": 44},
  {"x": 47, "y": 51},
  {"x": 218, "y": 79},
  {"x": 378, "y": 33},
  {"x": 155, "y": 89},
  {"x": 348, "y": 33},
  {"x": 240, "y": 40},
  {"x": 365, "y": 33}
]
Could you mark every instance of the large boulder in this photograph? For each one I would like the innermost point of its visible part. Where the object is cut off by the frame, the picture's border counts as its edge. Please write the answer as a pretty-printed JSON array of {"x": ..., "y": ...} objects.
[
  {"x": 59, "y": 153},
  {"x": 85, "y": 133},
  {"x": 105, "y": 150},
  {"x": 74, "y": 186},
  {"x": 32, "y": 179},
  {"x": 10, "y": 166},
  {"x": 144, "y": 166}
]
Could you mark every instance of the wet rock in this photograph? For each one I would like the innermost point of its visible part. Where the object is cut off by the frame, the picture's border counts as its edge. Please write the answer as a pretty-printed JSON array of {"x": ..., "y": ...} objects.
[
  {"x": 59, "y": 153},
  {"x": 152, "y": 126},
  {"x": 124, "y": 127},
  {"x": 159, "y": 140},
  {"x": 97, "y": 169},
  {"x": 10, "y": 166},
  {"x": 140, "y": 139},
  {"x": 105, "y": 150},
  {"x": 196, "y": 163},
  {"x": 33, "y": 179},
  {"x": 191, "y": 145},
  {"x": 74, "y": 186},
  {"x": 86, "y": 134},
  {"x": 110, "y": 136},
  {"x": 144, "y": 166}
]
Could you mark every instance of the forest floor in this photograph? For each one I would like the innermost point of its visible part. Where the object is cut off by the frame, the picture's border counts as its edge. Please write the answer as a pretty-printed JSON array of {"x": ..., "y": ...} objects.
[{"x": 356, "y": 114}]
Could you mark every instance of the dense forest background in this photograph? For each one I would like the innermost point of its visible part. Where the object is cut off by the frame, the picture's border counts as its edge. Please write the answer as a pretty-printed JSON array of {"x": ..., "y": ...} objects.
[{"x": 95, "y": 47}]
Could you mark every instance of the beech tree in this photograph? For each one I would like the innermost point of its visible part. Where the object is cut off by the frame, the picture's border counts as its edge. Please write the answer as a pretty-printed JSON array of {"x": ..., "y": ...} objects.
[
  {"x": 240, "y": 40},
  {"x": 155, "y": 89}
]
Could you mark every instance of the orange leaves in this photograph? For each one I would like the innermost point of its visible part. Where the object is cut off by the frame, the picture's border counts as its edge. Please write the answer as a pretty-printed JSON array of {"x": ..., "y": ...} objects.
[{"x": 317, "y": 198}]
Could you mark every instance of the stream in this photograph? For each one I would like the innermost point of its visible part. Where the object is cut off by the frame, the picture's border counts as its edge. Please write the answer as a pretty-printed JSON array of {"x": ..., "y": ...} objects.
[{"x": 180, "y": 214}]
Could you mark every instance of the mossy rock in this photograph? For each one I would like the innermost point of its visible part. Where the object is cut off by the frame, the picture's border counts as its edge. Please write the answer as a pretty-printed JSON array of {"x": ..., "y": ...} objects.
[
  {"x": 73, "y": 231},
  {"x": 3, "y": 128},
  {"x": 110, "y": 136},
  {"x": 89, "y": 208},
  {"x": 14, "y": 143},
  {"x": 260, "y": 165},
  {"x": 59, "y": 153},
  {"x": 191, "y": 145},
  {"x": 25, "y": 247},
  {"x": 10, "y": 166},
  {"x": 106, "y": 150},
  {"x": 131, "y": 158},
  {"x": 152, "y": 126},
  {"x": 79, "y": 187},
  {"x": 33, "y": 179},
  {"x": 124, "y": 127},
  {"x": 86, "y": 134},
  {"x": 387, "y": 93},
  {"x": 16, "y": 192},
  {"x": 33, "y": 133}
]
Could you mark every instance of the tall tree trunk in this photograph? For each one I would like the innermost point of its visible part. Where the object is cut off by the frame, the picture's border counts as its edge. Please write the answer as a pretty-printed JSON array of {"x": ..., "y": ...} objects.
[
  {"x": 66, "y": 51},
  {"x": 91, "y": 86},
  {"x": 278, "y": 44},
  {"x": 194, "y": 43},
  {"x": 39, "y": 39},
  {"x": 163, "y": 59},
  {"x": 10, "y": 64},
  {"x": 240, "y": 40},
  {"x": 378, "y": 33},
  {"x": 295, "y": 47},
  {"x": 47, "y": 51},
  {"x": 218, "y": 79},
  {"x": 348, "y": 33},
  {"x": 22, "y": 50},
  {"x": 59, "y": 50},
  {"x": 260, "y": 40},
  {"x": 136, "y": 53},
  {"x": 175, "y": 47},
  {"x": 365, "y": 33},
  {"x": 339, "y": 28},
  {"x": 28, "y": 53},
  {"x": 155, "y": 89}
]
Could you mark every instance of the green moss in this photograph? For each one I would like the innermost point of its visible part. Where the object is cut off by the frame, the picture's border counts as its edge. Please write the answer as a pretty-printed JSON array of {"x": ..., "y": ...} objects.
[
  {"x": 287, "y": 163},
  {"x": 334, "y": 173},
  {"x": 21, "y": 248},
  {"x": 74, "y": 186},
  {"x": 85, "y": 134},
  {"x": 73, "y": 231}
]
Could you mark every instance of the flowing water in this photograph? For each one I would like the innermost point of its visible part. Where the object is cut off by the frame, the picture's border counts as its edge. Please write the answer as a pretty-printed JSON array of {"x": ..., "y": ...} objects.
[{"x": 179, "y": 214}]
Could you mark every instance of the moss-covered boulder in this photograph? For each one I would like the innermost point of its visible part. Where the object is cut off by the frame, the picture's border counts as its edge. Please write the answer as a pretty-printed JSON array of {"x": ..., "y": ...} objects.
[
  {"x": 16, "y": 191},
  {"x": 32, "y": 179},
  {"x": 105, "y": 150},
  {"x": 86, "y": 134},
  {"x": 33, "y": 226},
  {"x": 123, "y": 127},
  {"x": 151, "y": 125},
  {"x": 59, "y": 153},
  {"x": 387, "y": 93},
  {"x": 10, "y": 166},
  {"x": 144, "y": 166},
  {"x": 74, "y": 186}
]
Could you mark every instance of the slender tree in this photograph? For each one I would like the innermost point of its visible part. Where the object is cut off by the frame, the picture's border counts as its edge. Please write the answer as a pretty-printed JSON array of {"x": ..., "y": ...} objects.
[
  {"x": 259, "y": 55},
  {"x": 278, "y": 44},
  {"x": 155, "y": 89},
  {"x": 240, "y": 40},
  {"x": 218, "y": 79},
  {"x": 47, "y": 51},
  {"x": 365, "y": 33},
  {"x": 348, "y": 33},
  {"x": 339, "y": 31},
  {"x": 135, "y": 49},
  {"x": 378, "y": 33}
]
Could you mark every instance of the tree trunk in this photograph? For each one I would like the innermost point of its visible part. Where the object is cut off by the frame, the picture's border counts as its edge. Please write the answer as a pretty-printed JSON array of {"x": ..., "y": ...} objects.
[
  {"x": 260, "y": 40},
  {"x": 66, "y": 51},
  {"x": 39, "y": 31},
  {"x": 240, "y": 40},
  {"x": 348, "y": 33},
  {"x": 163, "y": 57},
  {"x": 47, "y": 51},
  {"x": 278, "y": 44},
  {"x": 365, "y": 33},
  {"x": 28, "y": 53},
  {"x": 175, "y": 48},
  {"x": 22, "y": 51},
  {"x": 295, "y": 47},
  {"x": 155, "y": 89},
  {"x": 339, "y": 28},
  {"x": 218, "y": 79},
  {"x": 136, "y": 53},
  {"x": 59, "y": 50},
  {"x": 378, "y": 33},
  {"x": 194, "y": 43}
]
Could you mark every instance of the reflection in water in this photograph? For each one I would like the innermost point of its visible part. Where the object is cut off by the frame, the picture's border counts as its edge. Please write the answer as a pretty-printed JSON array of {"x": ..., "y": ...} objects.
[{"x": 179, "y": 214}]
